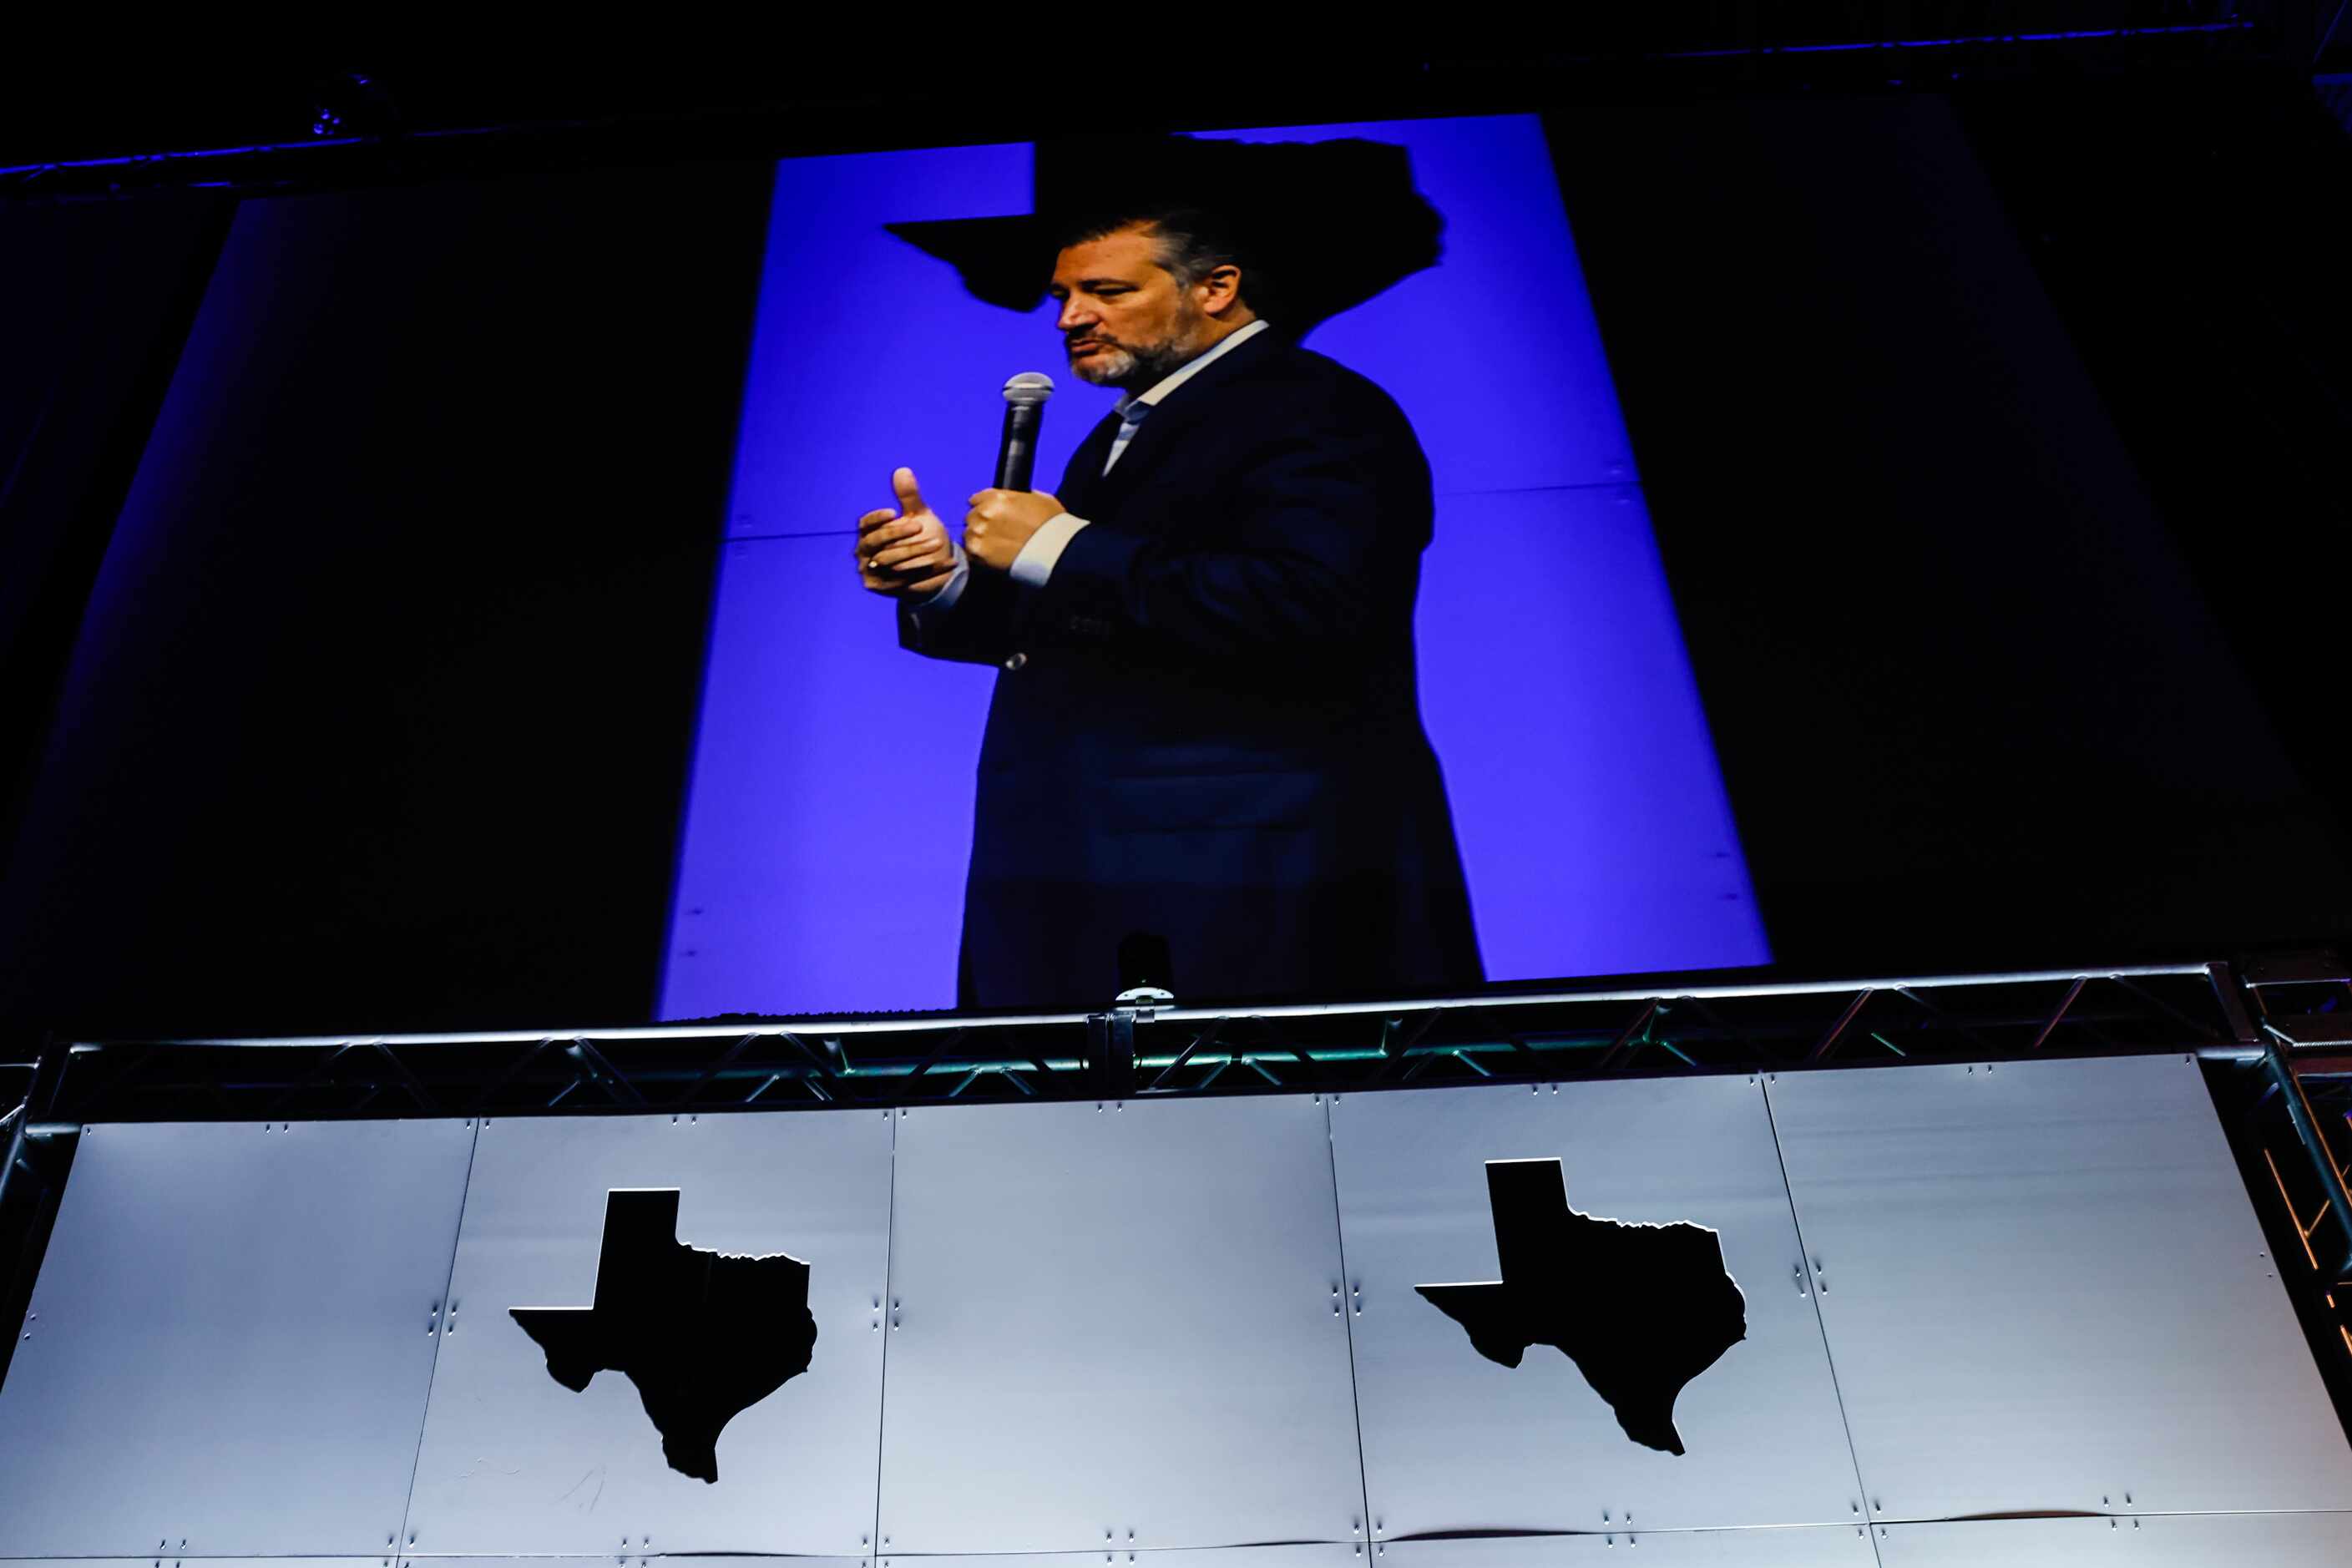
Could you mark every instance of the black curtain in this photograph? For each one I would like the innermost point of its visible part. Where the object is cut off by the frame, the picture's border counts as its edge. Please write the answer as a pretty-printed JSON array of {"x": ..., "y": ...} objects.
[
  {"x": 1972, "y": 702},
  {"x": 94, "y": 300},
  {"x": 380, "y": 711}
]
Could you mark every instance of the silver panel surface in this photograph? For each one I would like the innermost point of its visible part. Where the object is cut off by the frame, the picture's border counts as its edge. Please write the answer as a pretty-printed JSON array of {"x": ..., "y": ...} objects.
[
  {"x": 170, "y": 1560},
  {"x": 231, "y": 1339},
  {"x": 1115, "y": 1326},
  {"x": 164, "y": 1559},
  {"x": 2046, "y": 1290},
  {"x": 2161, "y": 1541},
  {"x": 1811, "y": 1546},
  {"x": 515, "y": 1463},
  {"x": 636, "y": 1555},
  {"x": 1311, "y": 1555},
  {"x": 1453, "y": 1441}
]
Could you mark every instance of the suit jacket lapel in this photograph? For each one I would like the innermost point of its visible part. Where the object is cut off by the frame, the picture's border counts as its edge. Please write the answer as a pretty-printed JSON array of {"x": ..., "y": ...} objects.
[
  {"x": 1083, "y": 478},
  {"x": 1187, "y": 406}
]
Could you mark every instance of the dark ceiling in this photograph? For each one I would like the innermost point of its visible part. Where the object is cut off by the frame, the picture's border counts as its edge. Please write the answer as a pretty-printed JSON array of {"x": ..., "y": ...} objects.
[{"x": 870, "y": 90}]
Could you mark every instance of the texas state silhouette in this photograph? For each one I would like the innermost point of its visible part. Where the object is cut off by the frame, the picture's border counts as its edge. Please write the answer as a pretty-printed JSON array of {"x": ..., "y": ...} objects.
[
  {"x": 703, "y": 1335},
  {"x": 1639, "y": 1308}
]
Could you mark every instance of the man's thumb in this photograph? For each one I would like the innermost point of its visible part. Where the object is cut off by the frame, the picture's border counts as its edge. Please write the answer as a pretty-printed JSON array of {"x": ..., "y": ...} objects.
[{"x": 910, "y": 499}]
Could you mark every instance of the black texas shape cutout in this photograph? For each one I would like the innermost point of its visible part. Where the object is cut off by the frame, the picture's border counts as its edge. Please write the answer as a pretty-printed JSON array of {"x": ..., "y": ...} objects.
[
  {"x": 704, "y": 1336},
  {"x": 1639, "y": 1308}
]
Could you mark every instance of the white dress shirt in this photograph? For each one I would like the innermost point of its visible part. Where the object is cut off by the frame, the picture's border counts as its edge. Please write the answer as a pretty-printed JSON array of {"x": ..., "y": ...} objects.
[{"x": 1034, "y": 564}]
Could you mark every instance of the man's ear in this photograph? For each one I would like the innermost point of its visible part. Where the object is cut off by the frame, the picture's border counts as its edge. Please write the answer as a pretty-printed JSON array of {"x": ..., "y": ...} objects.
[{"x": 1220, "y": 289}]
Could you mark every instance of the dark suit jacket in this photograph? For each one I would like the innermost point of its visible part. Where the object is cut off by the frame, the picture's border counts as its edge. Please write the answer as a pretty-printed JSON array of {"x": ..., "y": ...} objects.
[{"x": 1206, "y": 724}]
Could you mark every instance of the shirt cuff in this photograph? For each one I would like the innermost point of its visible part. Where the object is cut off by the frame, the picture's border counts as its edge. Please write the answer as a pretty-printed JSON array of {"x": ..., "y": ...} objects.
[
  {"x": 949, "y": 591},
  {"x": 1035, "y": 562}
]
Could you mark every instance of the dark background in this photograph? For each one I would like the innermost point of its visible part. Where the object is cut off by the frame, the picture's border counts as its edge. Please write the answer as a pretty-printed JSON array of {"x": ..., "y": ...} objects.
[{"x": 356, "y": 542}]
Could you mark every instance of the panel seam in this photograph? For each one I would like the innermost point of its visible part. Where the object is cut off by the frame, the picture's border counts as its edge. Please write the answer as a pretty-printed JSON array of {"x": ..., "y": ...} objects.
[
  {"x": 887, "y": 1320},
  {"x": 1820, "y": 1324},
  {"x": 416, "y": 1462},
  {"x": 1354, "y": 1390}
]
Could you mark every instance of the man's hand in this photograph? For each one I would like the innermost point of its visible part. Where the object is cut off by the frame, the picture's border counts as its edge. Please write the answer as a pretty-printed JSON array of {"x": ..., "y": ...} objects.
[
  {"x": 908, "y": 555},
  {"x": 1001, "y": 521}
]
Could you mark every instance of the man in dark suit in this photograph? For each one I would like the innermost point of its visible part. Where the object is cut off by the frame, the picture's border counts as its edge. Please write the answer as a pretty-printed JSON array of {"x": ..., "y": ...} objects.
[{"x": 1206, "y": 726}]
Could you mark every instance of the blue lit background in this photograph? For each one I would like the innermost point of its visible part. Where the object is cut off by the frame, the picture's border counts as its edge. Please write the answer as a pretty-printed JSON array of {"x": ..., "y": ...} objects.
[{"x": 823, "y": 855}]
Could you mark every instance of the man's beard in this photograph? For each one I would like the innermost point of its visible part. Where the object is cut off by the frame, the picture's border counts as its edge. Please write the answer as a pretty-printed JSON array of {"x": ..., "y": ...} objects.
[{"x": 1135, "y": 368}]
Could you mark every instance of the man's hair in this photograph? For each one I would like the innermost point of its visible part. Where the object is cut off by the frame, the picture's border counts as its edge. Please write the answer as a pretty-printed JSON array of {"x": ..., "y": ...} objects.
[{"x": 1193, "y": 242}]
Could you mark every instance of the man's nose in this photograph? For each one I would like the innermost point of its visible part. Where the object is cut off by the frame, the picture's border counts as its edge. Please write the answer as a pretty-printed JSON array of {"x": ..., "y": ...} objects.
[{"x": 1076, "y": 314}]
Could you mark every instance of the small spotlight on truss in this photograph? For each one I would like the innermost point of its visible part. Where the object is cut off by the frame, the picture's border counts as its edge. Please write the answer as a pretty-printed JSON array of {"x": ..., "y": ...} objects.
[{"x": 353, "y": 103}]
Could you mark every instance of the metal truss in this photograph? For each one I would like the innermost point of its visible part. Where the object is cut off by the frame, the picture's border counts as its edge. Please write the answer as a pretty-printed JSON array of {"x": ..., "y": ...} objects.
[
  {"x": 2292, "y": 1134},
  {"x": 1144, "y": 1051}
]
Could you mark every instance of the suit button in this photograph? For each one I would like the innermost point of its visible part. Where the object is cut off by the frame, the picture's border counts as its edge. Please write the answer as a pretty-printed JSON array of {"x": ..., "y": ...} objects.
[{"x": 1016, "y": 661}]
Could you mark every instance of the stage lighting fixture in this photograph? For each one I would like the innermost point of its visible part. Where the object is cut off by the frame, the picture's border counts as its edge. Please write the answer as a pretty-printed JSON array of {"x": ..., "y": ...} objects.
[{"x": 353, "y": 103}]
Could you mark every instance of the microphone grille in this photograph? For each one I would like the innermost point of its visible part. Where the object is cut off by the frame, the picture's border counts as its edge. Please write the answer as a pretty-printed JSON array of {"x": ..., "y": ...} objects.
[{"x": 1029, "y": 388}]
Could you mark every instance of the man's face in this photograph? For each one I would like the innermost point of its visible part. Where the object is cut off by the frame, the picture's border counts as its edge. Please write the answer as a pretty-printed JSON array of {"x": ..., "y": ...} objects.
[{"x": 1125, "y": 320}]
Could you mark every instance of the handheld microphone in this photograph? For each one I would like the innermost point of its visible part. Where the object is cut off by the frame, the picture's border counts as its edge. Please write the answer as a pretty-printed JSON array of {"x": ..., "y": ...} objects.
[{"x": 1024, "y": 416}]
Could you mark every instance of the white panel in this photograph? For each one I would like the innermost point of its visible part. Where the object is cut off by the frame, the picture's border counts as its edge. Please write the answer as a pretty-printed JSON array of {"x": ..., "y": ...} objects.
[
  {"x": 1323, "y": 1555},
  {"x": 637, "y": 1554},
  {"x": 225, "y": 1307},
  {"x": 515, "y": 1463},
  {"x": 1114, "y": 1325},
  {"x": 2046, "y": 1290},
  {"x": 2163, "y": 1540},
  {"x": 166, "y": 1559},
  {"x": 1453, "y": 1441},
  {"x": 1817, "y": 1546}
]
